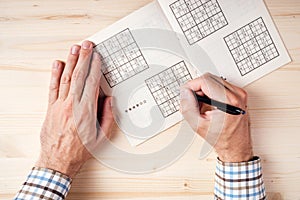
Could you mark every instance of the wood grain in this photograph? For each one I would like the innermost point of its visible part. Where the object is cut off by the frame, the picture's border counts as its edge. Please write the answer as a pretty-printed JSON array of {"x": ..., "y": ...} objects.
[{"x": 35, "y": 32}]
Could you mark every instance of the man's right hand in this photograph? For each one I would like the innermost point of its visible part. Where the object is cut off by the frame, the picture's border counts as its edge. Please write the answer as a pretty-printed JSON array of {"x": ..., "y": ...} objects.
[{"x": 233, "y": 142}]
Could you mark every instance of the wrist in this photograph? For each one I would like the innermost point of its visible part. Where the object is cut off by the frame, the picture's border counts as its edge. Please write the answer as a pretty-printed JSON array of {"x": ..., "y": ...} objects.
[
  {"x": 235, "y": 157},
  {"x": 58, "y": 165}
]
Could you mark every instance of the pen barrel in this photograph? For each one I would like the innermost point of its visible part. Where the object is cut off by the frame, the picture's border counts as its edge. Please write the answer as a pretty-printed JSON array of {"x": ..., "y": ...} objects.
[
  {"x": 227, "y": 108},
  {"x": 220, "y": 105}
]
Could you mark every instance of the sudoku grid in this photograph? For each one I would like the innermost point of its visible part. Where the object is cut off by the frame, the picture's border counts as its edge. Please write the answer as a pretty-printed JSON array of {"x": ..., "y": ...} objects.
[
  {"x": 121, "y": 58},
  {"x": 198, "y": 18},
  {"x": 165, "y": 85},
  {"x": 251, "y": 46}
]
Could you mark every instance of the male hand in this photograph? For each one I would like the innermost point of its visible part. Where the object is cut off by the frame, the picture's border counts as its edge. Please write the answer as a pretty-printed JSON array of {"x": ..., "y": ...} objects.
[
  {"x": 232, "y": 141},
  {"x": 72, "y": 110}
]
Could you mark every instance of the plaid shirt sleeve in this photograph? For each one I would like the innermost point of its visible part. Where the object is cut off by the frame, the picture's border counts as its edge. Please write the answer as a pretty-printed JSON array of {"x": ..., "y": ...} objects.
[
  {"x": 44, "y": 183},
  {"x": 239, "y": 180}
]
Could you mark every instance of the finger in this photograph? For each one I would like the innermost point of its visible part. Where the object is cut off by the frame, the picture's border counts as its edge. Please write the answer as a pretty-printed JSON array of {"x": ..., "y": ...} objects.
[
  {"x": 57, "y": 70},
  {"x": 201, "y": 84},
  {"x": 68, "y": 71},
  {"x": 107, "y": 119},
  {"x": 210, "y": 86},
  {"x": 189, "y": 108},
  {"x": 221, "y": 81},
  {"x": 236, "y": 95},
  {"x": 81, "y": 70},
  {"x": 241, "y": 94},
  {"x": 204, "y": 108},
  {"x": 205, "y": 85},
  {"x": 234, "y": 89},
  {"x": 92, "y": 83}
]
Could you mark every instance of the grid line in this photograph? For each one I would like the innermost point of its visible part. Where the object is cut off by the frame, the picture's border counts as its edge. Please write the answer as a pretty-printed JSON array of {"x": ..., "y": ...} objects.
[
  {"x": 198, "y": 18},
  {"x": 165, "y": 86},
  {"x": 121, "y": 58},
  {"x": 251, "y": 46}
]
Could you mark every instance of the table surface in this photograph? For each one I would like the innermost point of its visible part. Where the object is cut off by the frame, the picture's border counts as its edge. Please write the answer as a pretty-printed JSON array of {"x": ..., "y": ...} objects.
[{"x": 33, "y": 33}]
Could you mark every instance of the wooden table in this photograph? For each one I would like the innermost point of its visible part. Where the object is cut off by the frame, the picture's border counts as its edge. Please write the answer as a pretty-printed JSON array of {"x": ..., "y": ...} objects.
[{"x": 35, "y": 32}]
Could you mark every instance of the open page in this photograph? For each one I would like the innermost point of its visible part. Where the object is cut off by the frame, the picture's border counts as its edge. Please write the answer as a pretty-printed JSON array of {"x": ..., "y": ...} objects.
[
  {"x": 143, "y": 66},
  {"x": 238, "y": 35},
  {"x": 147, "y": 55}
]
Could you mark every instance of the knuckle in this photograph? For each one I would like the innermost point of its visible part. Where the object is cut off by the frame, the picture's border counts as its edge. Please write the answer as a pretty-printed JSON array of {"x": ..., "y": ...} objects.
[
  {"x": 93, "y": 80},
  {"x": 201, "y": 80},
  {"x": 235, "y": 102},
  {"x": 77, "y": 75},
  {"x": 244, "y": 94},
  {"x": 53, "y": 87},
  {"x": 187, "y": 84},
  {"x": 66, "y": 79},
  {"x": 54, "y": 84},
  {"x": 85, "y": 53},
  {"x": 68, "y": 109},
  {"x": 206, "y": 75},
  {"x": 72, "y": 60},
  {"x": 205, "y": 79}
]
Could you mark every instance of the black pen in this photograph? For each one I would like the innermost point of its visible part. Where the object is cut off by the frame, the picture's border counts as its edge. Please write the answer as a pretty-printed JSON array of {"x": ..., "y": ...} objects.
[{"x": 221, "y": 106}]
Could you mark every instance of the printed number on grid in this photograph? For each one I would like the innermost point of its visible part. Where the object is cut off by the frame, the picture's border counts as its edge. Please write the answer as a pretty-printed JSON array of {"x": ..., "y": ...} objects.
[
  {"x": 165, "y": 86},
  {"x": 251, "y": 46},
  {"x": 198, "y": 18},
  {"x": 121, "y": 58}
]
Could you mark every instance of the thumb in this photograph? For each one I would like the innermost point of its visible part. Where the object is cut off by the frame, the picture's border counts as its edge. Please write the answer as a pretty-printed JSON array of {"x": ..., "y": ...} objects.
[
  {"x": 107, "y": 117},
  {"x": 107, "y": 120},
  {"x": 189, "y": 108}
]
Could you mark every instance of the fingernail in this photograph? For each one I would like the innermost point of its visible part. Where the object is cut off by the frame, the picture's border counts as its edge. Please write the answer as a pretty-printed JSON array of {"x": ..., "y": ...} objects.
[
  {"x": 55, "y": 65},
  {"x": 183, "y": 93},
  {"x": 86, "y": 45},
  {"x": 75, "y": 50}
]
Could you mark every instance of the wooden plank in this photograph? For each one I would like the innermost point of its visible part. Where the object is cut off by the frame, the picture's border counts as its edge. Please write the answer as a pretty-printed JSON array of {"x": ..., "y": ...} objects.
[{"x": 35, "y": 32}]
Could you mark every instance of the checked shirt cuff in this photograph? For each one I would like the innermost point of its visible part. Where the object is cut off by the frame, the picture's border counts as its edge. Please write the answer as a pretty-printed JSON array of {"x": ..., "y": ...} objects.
[
  {"x": 44, "y": 183},
  {"x": 239, "y": 180}
]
